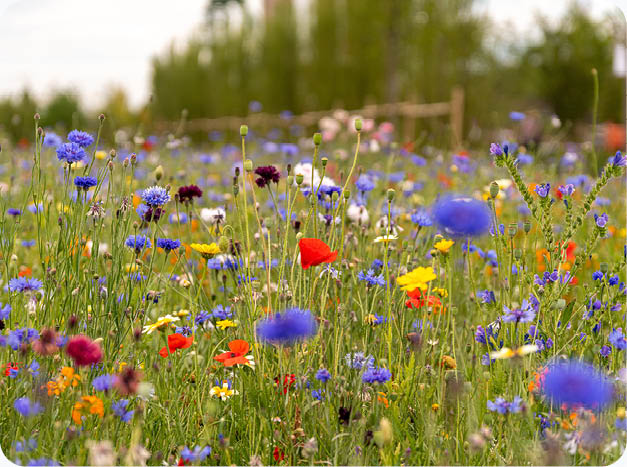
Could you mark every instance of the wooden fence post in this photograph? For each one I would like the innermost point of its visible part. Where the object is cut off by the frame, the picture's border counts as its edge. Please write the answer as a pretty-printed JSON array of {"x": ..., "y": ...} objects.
[{"x": 457, "y": 117}]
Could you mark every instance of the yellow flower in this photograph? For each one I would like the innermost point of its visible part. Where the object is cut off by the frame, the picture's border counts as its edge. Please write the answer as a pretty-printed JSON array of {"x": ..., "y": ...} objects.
[
  {"x": 385, "y": 238},
  {"x": 89, "y": 405},
  {"x": 435, "y": 407},
  {"x": 225, "y": 323},
  {"x": 182, "y": 312},
  {"x": 418, "y": 278},
  {"x": 443, "y": 245},
  {"x": 100, "y": 155},
  {"x": 506, "y": 352},
  {"x": 441, "y": 292},
  {"x": 207, "y": 251},
  {"x": 223, "y": 392},
  {"x": 163, "y": 321}
]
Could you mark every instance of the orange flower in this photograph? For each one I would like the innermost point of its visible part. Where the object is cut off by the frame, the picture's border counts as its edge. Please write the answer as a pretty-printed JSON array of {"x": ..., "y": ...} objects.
[
  {"x": 88, "y": 405},
  {"x": 314, "y": 252},
  {"x": 238, "y": 349},
  {"x": 66, "y": 379},
  {"x": 176, "y": 341},
  {"x": 416, "y": 300}
]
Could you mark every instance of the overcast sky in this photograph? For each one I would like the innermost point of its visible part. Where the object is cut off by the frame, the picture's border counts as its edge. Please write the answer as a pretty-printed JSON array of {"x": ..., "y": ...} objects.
[{"x": 90, "y": 45}]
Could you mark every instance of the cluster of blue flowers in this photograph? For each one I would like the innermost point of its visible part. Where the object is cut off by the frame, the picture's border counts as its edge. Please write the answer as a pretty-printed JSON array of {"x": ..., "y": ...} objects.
[
  {"x": 288, "y": 327},
  {"x": 503, "y": 407},
  {"x": 168, "y": 244},
  {"x": 376, "y": 375},
  {"x": 138, "y": 242}
]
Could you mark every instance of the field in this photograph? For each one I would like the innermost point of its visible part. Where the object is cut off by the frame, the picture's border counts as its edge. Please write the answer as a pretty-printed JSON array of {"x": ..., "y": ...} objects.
[{"x": 341, "y": 299}]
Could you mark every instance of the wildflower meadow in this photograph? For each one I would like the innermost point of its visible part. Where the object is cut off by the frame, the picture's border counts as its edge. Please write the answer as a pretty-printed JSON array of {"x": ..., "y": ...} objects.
[{"x": 335, "y": 298}]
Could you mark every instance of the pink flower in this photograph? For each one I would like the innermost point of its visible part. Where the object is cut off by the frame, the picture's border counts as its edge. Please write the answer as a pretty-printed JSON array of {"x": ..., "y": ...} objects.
[{"x": 83, "y": 350}]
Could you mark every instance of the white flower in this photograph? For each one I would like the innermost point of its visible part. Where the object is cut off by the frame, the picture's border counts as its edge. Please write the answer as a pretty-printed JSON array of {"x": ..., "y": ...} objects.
[
  {"x": 213, "y": 216},
  {"x": 358, "y": 214},
  {"x": 305, "y": 170}
]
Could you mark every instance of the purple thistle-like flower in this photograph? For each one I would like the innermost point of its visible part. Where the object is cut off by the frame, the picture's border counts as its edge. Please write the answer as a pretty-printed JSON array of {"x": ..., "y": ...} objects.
[
  {"x": 577, "y": 384},
  {"x": 103, "y": 383},
  {"x": 421, "y": 218},
  {"x": 543, "y": 190},
  {"x": 81, "y": 138},
  {"x": 496, "y": 150},
  {"x": 567, "y": 190},
  {"x": 71, "y": 153},
  {"x": 267, "y": 174},
  {"x": 619, "y": 160},
  {"x": 288, "y": 327},
  {"x": 188, "y": 193}
]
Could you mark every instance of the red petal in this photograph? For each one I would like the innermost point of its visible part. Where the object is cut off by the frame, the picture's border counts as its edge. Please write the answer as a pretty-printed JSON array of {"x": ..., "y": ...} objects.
[{"x": 239, "y": 346}]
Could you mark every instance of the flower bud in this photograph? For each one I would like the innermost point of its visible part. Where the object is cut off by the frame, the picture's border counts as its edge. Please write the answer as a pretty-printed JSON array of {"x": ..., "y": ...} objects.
[
  {"x": 37, "y": 116},
  {"x": 512, "y": 229},
  {"x": 317, "y": 139},
  {"x": 112, "y": 154},
  {"x": 248, "y": 165},
  {"x": 494, "y": 190},
  {"x": 290, "y": 180},
  {"x": 101, "y": 117},
  {"x": 347, "y": 193},
  {"x": 604, "y": 267},
  {"x": 334, "y": 196},
  {"x": 324, "y": 161},
  {"x": 517, "y": 253},
  {"x": 358, "y": 124},
  {"x": 527, "y": 226},
  {"x": 299, "y": 179},
  {"x": 159, "y": 173},
  {"x": 243, "y": 130},
  {"x": 224, "y": 243},
  {"x": 391, "y": 194},
  {"x": 133, "y": 158}
]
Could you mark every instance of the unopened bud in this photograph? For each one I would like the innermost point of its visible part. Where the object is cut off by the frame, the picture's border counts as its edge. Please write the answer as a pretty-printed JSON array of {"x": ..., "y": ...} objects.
[
  {"x": 560, "y": 304},
  {"x": 224, "y": 243},
  {"x": 526, "y": 226},
  {"x": 159, "y": 173},
  {"x": 512, "y": 229},
  {"x": 391, "y": 194},
  {"x": 317, "y": 139},
  {"x": 37, "y": 116},
  {"x": 604, "y": 267},
  {"x": 243, "y": 130},
  {"x": 299, "y": 179},
  {"x": 358, "y": 124},
  {"x": 248, "y": 165},
  {"x": 324, "y": 161},
  {"x": 101, "y": 117},
  {"x": 347, "y": 193},
  {"x": 494, "y": 190}
]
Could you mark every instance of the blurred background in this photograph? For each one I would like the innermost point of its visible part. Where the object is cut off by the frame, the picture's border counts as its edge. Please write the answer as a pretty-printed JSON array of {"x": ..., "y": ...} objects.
[{"x": 145, "y": 63}]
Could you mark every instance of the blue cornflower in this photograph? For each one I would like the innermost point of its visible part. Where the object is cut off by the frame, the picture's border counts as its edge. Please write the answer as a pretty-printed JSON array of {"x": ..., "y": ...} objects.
[
  {"x": 365, "y": 183},
  {"x": 418, "y": 160},
  {"x": 516, "y": 116},
  {"x": 371, "y": 278},
  {"x": 155, "y": 196},
  {"x": 481, "y": 335},
  {"x": 543, "y": 189},
  {"x": 273, "y": 264},
  {"x": 85, "y": 182},
  {"x": 221, "y": 312},
  {"x": 323, "y": 375},
  {"x": 613, "y": 280},
  {"x": 119, "y": 408},
  {"x": 601, "y": 220},
  {"x": 288, "y": 327},
  {"x": 617, "y": 339},
  {"x": 619, "y": 160},
  {"x": 26, "y": 446},
  {"x": 605, "y": 351},
  {"x": 202, "y": 317},
  {"x": 24, "y": 284},
  {"x": 71, "y": 153},
  {"x": 198, "y": 454},
  {"x": 14, "y": 212},
  {"x": 138, "y": 242},
  {"x": 597, "y": 276},
  {"x": 358, "y": 360},
  {"x": 103, "y": 383},
  {"x": 503, "y": 407},
  {"x": 524, "y": 314},
  {"x": 81, "y": 138},
  {"x": 5, "y": 311},
  {"x": 318, "y": 394},
  {"x": 52, "y": 140},
  {"x": 421, "y": 218},
  {"x": 524, "y": 159},
  {"x": 486, "y": 296},
  {"x": 462, "y": 216},
  {"x": 376, "y": 375},
  {"x": 577, "y": 384},
  {"x": 27, "y": 408},
  {"x": 184, "y": 330},
  {"x": 180, "y": 218},
  {"x": 33, "y": 368},
  {"x": 168, "y": 244}
]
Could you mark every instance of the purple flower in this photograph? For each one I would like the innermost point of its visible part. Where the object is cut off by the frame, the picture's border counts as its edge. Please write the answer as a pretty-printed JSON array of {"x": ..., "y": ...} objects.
[
  {"x": 27, "y": 408},
  {"x": 617, "y": 339},
  {"x": 81, "y": 138},
  {"x": 495, "y": 149},
  {"x": 601, "y": 220},
  {"x": 103, "y": 383},
  {"x": 198, "y": 454},
  {"x": 323, "y": 375},
  {"x": 524, "y": 314},
  {"x": 85, "y": 182},
  {"x": 168, "y": 244},
  {"x": 543, "y": 189},
  {"x": 5, "y": 311},
  {"x": 421, "y": 218},
  {"x": 119, "y": 408},
  {"x": 516, "y": 116},
  {"x": 14, "y": 212},
  {"x": 503, "y": 407},
  {"x": 605, "y": 351},
  {"x": 486, "y": 296},
  {"x": 24, "y": 284},
  {"x": 267, "y": 174},
  {"x": 138, "y": 242},
  {"x": 155, "y": 196},
  {"x": 567, "y": 190},
  {"x": 462, "y": 216},
  {"x": 577, "y": 384},
  {"x": 619, "y": 160}
]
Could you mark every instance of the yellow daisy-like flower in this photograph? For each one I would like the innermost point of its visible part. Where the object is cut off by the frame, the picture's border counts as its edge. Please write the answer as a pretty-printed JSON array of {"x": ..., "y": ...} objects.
[
  {"x": 418, "y": 278},
  {"x": 223, "y": 392},
  {"x": 101, "y": 155},
  {"x": 207, "y": 251},
  {"x": 441, "y": 292},
  {"x": 444, "y": 245},
  {"x": 385, "y": 238},
  {"x": 225, "y": 323},
  {"x": 506, "y": 352},
  {"x": 163, "y": 321}
]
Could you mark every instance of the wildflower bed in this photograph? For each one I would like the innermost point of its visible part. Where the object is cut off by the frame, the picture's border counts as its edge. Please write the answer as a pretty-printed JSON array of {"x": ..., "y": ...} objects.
[{"x": 339, "y": 300}]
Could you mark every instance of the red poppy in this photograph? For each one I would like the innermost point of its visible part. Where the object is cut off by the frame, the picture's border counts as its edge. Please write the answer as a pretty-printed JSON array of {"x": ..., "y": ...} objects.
[
  {"x": 9, "y": 367},
  {"x": 416, "y": 300},
  {"x": 176, "y": 341},
  {"x": 238, "y": 349},
  {"x": 570, "y": 251},
  {"x": 288, "y": 382},
  {"x": 314, "y": 252},
  {"x": 278, "y": 454}
]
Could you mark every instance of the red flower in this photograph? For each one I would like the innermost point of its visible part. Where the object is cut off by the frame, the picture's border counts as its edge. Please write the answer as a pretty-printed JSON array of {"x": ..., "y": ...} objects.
[
  {"x": 416, "y": 300},
  {"x": 238, "y": 349},
  {"x": 278, "y": 454},
  {"x": 83, "y": 350},
  {"x": 10, "y": 366},
  {"x": 314, "y": 252},
  {"x": 288, "y": 382},
  {"x": 176, "y": 341}
]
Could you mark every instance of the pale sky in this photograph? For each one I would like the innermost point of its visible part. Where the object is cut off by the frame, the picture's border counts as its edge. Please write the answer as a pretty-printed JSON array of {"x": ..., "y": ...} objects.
[{"x": 89, "y": 45}]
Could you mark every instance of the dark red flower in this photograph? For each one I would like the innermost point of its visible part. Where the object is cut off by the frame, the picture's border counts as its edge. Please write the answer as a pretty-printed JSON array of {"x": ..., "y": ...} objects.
[
  {"x": 278, "y": 454},
  {"x": 188, "y": 193},
  {"x": 127, "y": 381},
  {"x": 153, "y": 214},
  {"x": 314, "y": 252},
  {"x": 176, "y": 341},
  {"x": 47, "y": 342},
  {"x": 288, "y": 382},
  {"x": 83, "y": 350},
  {"x": 267, "y": 174}
]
